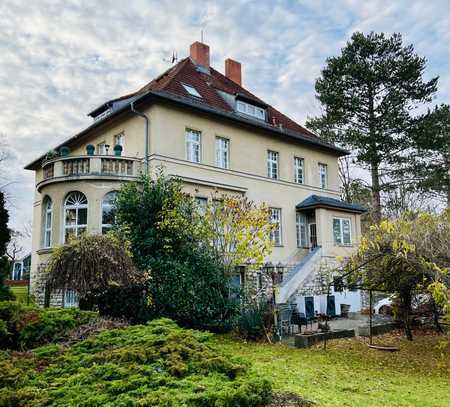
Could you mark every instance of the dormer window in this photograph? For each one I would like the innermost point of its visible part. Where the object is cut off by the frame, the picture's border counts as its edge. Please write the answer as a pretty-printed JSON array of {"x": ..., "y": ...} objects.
[
  {"x": 251, "y": 110},
  {"x": 191, "y": 90}
]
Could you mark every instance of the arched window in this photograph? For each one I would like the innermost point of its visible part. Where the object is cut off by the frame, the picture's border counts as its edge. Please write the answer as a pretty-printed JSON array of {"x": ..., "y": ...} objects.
[
  {"x": 108, "y": 211},
  {"x": 75, "y": 215},
  {"x": 48, "y": 220}
]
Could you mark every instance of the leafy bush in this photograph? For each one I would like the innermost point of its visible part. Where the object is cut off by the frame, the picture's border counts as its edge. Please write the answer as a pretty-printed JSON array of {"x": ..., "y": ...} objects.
[
  {"x": 157, "y": 365},
  {"x": 167, "y": 238},
  {"x": 130, "y": 303},
  {"x": 255, "y": 320},
  {"x": 24, "y": 327}
]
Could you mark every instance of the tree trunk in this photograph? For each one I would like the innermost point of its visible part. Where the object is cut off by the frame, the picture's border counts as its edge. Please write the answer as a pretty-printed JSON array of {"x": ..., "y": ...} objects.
[
  {"x": 436, "y": 317},
  {"x": 376, "y": 197},
  {"x": 405, "y": 310}
]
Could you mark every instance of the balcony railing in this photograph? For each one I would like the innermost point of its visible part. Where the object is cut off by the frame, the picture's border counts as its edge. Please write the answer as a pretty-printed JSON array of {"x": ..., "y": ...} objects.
[{"x": 96, "y": 166}]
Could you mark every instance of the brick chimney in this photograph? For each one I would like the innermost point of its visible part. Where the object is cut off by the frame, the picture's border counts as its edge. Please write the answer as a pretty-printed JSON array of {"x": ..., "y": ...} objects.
[
  {"x": 233, "y": 71},
  {"x": 200, "y": 54}
]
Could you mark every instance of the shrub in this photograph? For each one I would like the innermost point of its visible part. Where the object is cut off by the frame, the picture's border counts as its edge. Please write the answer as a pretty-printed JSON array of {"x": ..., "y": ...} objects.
[
  {"x": 130, "y": 303},
  {"x": 186, "y": 282},
  {"x": 24, "y": 327},
  {"x": 255, "y": 320},
  {"x": 159, "y": 364}
]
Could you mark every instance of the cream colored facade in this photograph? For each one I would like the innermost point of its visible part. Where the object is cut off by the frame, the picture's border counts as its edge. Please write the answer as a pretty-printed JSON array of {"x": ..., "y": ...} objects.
[{"x": 247, "y": 174}]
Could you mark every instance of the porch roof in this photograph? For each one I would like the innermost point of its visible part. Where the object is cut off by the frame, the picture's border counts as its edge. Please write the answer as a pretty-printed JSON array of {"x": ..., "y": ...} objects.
[{"x": 316, "y": 201}]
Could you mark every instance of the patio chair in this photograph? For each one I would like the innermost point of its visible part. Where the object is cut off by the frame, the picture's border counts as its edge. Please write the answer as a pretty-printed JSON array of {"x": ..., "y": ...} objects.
[{"x": 285, "y": 315}]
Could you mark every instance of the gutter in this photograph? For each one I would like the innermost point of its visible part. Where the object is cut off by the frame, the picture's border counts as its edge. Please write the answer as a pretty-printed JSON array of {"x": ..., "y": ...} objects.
[{"x": 146, "y": 135}]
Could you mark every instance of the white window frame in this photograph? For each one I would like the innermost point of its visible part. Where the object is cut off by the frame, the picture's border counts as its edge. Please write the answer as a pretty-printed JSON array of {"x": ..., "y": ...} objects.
[
  {"x": 273, "y": 164},
  {"x": 106, "y": 204},
  {"x": 76, "y": 206},
  {"x": 193, "y": 146},
  {"x": 251, "y": 110},
  {"x": 276, "y": 236},
  {"x": 301, "y": 228},
  {"x": 222, "y": 152},
  {"x": 323, "y": 175},
  {"x": 340, "y": 241},
  {"x": 48, "y": 222},
  {"x": 101, "y": 148},
  {"x": 70, "y": 299},
  {"x": 17, "y": 274},
  {"x": 299, "y": 170}
]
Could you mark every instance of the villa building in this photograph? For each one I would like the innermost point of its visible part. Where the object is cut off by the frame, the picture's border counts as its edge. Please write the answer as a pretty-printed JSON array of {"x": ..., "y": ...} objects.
[{"x": 207, "y": 129}]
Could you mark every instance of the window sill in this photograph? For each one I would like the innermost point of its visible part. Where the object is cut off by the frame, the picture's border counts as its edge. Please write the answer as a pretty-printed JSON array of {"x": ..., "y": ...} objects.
[
  {"x": 45, "y": 250},
  {"x": 344, "y": 245}
]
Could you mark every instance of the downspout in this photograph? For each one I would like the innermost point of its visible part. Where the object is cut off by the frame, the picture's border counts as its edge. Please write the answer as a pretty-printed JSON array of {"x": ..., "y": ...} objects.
[{"x": 146, "y": 136}]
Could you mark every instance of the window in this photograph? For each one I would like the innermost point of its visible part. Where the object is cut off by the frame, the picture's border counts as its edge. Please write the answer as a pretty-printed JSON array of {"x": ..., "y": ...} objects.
[
  {"x": 75, "y": 215},
  {"x": 323, "y": 175},
  {"x": 272, "y": 164},
  {"x": 251, "y": 110},
  {"x": 108, "y": 211},
  {"x": 301, "y": 229},
  {"x": 222, "y": 152},
  {"x": 202, "y": 204},
  {"x": 299, "y": 174},
  {"x": 191, "y": 90},
  {"x": 193, "y": 145},
  {"x": 119, "y": 139},
  {"x": 70, "y": 299},
  {"x": 17, "y": 271},
  {"x": 275, "y": 218},
  {"x": 101, "y": 149},
  {"x": 48, "y": 217},
  {"x": 342, "y": 231}
]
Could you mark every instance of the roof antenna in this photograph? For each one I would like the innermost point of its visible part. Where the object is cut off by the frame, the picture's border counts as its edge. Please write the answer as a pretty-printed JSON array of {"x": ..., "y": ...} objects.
[
  {"x": 201, "y": 35},
  {"x": 173, "y": 58}
]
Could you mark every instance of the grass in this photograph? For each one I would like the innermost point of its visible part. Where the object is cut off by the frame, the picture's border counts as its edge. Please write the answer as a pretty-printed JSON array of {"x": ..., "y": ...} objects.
[{"x": 348, "y": 373}]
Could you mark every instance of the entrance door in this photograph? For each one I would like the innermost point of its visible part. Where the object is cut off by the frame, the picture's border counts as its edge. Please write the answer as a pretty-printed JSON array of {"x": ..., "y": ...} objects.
[
  {"x": 331, "y": 306},
  {"x": 309, "y": 307},
  {"x": 312, "y": 235}
]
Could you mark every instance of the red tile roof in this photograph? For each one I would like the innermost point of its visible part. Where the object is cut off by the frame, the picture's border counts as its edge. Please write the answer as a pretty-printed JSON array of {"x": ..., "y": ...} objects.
[{"x": 208, "y": 85}]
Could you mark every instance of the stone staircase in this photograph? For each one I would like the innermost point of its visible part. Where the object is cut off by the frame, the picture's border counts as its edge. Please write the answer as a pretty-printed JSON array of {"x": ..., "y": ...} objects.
[{"x": 299, "y": 274}]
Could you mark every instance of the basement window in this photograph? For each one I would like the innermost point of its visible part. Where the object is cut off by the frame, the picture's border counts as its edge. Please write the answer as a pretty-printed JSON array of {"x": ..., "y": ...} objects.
[{"x": 191, "y": 90}]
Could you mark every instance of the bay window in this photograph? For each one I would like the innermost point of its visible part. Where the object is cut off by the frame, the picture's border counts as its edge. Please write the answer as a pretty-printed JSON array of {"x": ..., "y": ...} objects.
[
  {"x": 108, "y": 211},
  {"x": 75, "y": 215},
  {"x": 48, "y": 219},
  {"x": 342, "y": 231}
]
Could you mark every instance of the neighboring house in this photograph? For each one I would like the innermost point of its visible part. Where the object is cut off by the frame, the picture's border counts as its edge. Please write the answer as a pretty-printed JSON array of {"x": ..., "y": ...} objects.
[
  {"x": 219, "y": 138},
  {"x": 20, "y": 269},
  {"x": 20, "y": 277}
]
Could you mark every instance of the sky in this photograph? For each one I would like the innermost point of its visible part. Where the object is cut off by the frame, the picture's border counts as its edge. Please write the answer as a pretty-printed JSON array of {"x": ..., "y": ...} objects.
[{"x": 61, "y": 59}]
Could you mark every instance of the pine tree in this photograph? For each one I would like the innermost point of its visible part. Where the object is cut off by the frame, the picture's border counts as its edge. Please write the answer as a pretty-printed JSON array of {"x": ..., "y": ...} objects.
[
  {"x": 431, "y": 158},
  {"x": 368, "y": 94}
]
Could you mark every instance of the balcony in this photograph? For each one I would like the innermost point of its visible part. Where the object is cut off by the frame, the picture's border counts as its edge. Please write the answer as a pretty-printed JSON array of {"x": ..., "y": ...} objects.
[{"x": 100, "y": 167}]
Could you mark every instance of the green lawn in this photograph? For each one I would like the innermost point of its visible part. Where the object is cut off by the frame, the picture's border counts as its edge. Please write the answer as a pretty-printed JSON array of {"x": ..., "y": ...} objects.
[{"x": 348, "y": 373}]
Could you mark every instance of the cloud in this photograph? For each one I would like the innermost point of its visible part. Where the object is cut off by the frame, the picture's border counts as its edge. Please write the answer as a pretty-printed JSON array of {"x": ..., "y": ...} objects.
[{"x": 60, "y": 59}]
